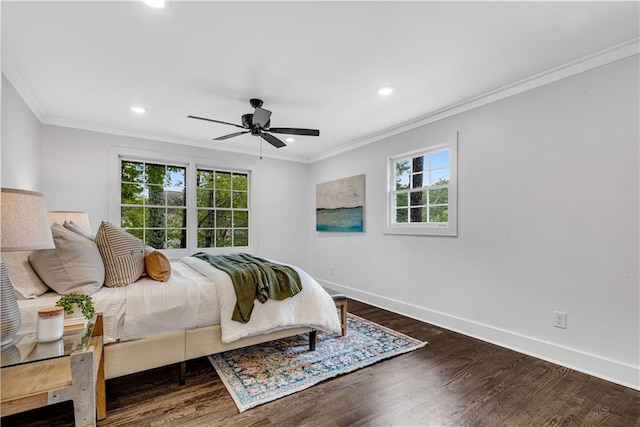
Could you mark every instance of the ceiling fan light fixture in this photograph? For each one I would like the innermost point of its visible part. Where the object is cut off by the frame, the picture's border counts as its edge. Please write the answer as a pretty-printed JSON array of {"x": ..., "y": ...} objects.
[
  {"x": 290, "y": 140},
  {"x": 136, "y": 109},
  {"x": 155, "y": 4},
  {"x": 385, "y": 90}
]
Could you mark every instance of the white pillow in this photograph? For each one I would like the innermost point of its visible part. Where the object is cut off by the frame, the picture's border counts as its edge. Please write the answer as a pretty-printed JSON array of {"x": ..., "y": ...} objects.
[
  {"x": 74, "y": 265},
  {"x": 25, "y": 281},
  {"x": 122, "y": 254}
]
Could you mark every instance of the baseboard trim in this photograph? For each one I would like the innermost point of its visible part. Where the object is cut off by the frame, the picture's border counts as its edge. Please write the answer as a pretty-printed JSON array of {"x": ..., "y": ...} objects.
[{"x": 597, "y": 366}]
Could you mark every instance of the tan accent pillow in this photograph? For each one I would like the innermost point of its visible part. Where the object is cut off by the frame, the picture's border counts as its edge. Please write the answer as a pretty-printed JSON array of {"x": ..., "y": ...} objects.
[
  {"x": 25, "y": 281},
  {"x": 75, "y": 265},
  {"x": 157, "y": 265},
  {"x": 122, "y": 253}
]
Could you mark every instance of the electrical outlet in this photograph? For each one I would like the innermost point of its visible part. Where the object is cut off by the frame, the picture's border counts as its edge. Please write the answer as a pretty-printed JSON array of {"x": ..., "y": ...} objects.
[{"x": 560, "y": 319}]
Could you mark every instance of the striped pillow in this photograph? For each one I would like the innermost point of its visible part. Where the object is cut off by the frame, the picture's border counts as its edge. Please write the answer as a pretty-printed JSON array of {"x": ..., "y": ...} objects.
[{"x": 122, "y": 254}]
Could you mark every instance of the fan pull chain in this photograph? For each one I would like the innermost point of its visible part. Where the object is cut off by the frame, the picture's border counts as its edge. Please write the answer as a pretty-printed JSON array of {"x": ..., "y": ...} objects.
[{"x": 260, "y": 148}]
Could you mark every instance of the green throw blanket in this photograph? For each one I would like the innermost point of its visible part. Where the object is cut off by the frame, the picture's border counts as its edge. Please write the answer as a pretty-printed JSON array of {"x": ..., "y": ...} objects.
[{"x": 254, "y": 278}]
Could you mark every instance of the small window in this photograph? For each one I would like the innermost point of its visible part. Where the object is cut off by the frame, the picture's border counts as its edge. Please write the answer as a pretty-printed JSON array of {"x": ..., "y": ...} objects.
[
  {"x": 153, "y": 203},
  {"x": 422, "y": 192}
]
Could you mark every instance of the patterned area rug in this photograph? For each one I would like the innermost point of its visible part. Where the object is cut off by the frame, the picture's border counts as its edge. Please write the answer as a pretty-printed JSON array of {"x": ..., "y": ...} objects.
[{"x": 266, "y": 372}]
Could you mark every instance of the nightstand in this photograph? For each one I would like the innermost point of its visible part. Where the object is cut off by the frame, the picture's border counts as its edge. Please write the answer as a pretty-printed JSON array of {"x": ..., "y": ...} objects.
[{"x": 72, "y": 368}]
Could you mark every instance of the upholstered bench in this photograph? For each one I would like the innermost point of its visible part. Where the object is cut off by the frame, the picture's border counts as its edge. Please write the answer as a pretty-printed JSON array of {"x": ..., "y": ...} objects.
[{"x": 341, "y": 302}]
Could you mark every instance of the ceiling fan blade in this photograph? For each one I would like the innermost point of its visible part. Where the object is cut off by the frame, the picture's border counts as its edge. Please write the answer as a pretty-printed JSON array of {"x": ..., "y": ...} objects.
[
  {"x": 215, "y": 121},
  {"x": 272, "y": 140},
  {"x": 295, "y": 131},
  {"x": 231, "y": 135},
  {"x": 261, "y": 117}
]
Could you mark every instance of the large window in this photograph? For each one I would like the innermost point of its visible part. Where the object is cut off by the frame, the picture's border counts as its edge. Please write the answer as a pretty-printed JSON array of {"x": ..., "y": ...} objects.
[
  {"x": 183, "y": 206},
  {"x": 153, "y": 203},
  {"x": 422, "y": 192},
  {"x": 223, "y": 209}
]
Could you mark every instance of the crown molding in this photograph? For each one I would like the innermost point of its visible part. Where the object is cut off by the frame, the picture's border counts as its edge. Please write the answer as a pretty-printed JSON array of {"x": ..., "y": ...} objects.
[
  {"x": 10, "y": 72},
  {"x": 589, "y": 62}
]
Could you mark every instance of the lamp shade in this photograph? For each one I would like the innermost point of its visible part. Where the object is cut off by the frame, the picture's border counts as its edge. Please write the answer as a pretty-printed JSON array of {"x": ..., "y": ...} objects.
[
  {"x": 25, "y": 225},
  {"x": 80, "y": 218}
]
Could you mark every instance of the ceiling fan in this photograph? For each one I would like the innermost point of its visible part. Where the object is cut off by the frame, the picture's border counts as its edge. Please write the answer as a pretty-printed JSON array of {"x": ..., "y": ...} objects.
[{"x": 258, "y": 124}]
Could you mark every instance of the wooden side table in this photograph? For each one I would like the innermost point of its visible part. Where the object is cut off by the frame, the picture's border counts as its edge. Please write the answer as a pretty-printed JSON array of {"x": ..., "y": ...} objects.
[{"x": 44, "y": 378}]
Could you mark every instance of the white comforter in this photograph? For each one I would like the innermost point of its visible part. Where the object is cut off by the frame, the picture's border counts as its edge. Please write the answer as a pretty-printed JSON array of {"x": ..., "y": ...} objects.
[
  {"x": 311, "y": 307},
  {"x": 196, "y": 295}
]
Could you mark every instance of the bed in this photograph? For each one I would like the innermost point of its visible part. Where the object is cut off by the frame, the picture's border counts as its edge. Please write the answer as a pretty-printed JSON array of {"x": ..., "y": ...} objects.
[{"x": 148, "y": 324}]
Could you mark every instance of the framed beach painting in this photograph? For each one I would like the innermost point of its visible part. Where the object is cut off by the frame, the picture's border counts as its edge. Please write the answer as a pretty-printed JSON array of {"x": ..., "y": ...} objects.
[{"x": 340, "y": 205}]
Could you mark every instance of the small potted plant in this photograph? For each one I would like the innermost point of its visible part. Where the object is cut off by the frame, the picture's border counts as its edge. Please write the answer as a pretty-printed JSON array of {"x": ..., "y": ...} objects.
[{"x": 75, "y": 301}]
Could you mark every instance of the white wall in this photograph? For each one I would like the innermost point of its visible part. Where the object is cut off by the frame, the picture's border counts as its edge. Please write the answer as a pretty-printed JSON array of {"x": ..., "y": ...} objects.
[
  {"x": 75, "y": 175},
  {"x": 20, "y": 142},
  {"x": 548, "y": 220}
]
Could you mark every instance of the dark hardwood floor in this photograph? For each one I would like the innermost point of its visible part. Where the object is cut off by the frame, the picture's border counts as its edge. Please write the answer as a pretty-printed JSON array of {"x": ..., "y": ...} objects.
[{"x": 453, "y": 381}]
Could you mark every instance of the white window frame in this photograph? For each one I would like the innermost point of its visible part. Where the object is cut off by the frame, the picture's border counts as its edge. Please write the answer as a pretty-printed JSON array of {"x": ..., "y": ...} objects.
[
  {"x": 116, "y": 154},
  {"x": 425, "y": 229}
]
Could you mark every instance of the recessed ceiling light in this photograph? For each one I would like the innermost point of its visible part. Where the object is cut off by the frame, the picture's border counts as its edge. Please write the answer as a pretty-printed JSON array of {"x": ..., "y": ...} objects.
[
  {"x": 156, "y": 4},
  {"x": 138, "y": 110},
  {"x": 385, "y": 90},
  {"x": 290, "y": 139}
]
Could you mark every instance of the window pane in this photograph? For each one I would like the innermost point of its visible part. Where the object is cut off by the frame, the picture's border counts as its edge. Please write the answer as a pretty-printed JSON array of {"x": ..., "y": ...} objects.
[
  {"x": 402, "y": 215},
  {"x": 240, "y": 182},
  {"x": 206, "y": 218},
  {"x": 205, "y": 179},
  {"x": 154, "y": 218},
  {"x": 440, "y": 176},
  {"x": 156, "y": 195},
  {"x": 438, "y": 214},
  {"x": 131, "y": 194},
  {"x": 176, "y": 198},
  {"x": 155, "y": 174},
  {"x": 205, "y": 198},
  {"x": 241, "y": 237},
  {"x": 417, "y": 181},
  {"x": 223, "y": 218},
  {"x": 223, "y": 180},
  {"x": 132, "y": 172},
  {"x": 402, "y": 199},
  {"x": 239, "y": 199},
  {"x": 418, "y": 198},
  {"x": 440, "y": 160},
  {"x": 176, "y": 238},
  {"x": 402, "y": 173},
  {"x": 223, "y": 238},
  {"x": 206, "y": 238},
  {"x": 240, "y": 219},
  {"x": 131, "y": 217},
  {"x": 155, "y": 238},
  {"x": 439, "y": 197},
  {"x": 418, "y": 214},
  {"x": 176, "y": 177},
  {"x": 418, "y": 163},
  {"x": 176, "y": 218},
  {"x": 223, "y": 199}
]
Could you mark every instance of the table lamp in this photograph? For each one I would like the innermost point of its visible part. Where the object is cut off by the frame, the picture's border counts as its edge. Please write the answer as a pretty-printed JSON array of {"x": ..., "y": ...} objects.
[{"x": 25, "y": 227}]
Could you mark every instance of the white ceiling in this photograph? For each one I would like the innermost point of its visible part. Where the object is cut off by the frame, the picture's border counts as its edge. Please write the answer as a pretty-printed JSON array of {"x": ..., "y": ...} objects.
[{"x": 315, "y": 64}]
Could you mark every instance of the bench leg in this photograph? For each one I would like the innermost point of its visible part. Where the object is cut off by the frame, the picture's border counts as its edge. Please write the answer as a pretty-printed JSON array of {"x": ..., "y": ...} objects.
[
  {"x": 312, "y": 340},
  {"x": 183, "y": 372},
  {"x": 342, "y": 305}
]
